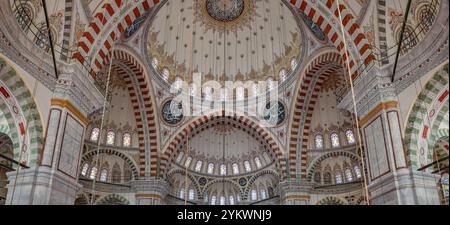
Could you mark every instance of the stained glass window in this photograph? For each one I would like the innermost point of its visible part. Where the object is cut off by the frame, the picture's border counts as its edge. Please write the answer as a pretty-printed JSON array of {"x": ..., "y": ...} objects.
[
  {"x": 263, "y": 194},
  {"x": 191, "y": 194},
  {"x": 165, "y": 74},
  {"x": 222, "y": 200},
  {"x": 327, "y": 178},
  {"x": 198, "y": 166},
  {"x": 188, "y": 162},
  {"x": 294, "y": 64},
  {"x": 85, "y": 169},
  {"x": 110, "y": 137},
  {"x": 93, "y": 174},
  {"x": 223, "y": 170},
  {"x": 247, "y": 166},
  {"x": 258, "y": 163},
  {"x": 350, "y": 137},
  {"x": 210, "y": 168},
  {"x": 444, "y": 183},
  {"x": 180, "y": 157},
  {"x": 335, "y": 140},
  {"x": 338, "y": 179},
  {"x": 182, "y": 193},
  {"x": 104, "y": 175},
  {"x": 235, "y": 169},
  {"x": 155, "y": 62},
  {"x": 95, "y": 134},
  {"x": 126, "y": 140},
  {"x": 348, "y": 175},
  {"x": 317, "y": 177},
  {"x": 283, "y": 75},
  {"x": 213, "y": 200},
  {"x": 254, "y": 195},
  {"x": 357, "y": 172},
  {"x": 231, "y": 200},
  {"x": 319, "y": 141}
]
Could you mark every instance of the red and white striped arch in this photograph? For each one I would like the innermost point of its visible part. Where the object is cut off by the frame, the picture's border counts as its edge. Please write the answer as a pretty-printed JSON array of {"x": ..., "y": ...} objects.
[
  {"x": 315, "y": 74},
  {"x": 114, "y": 17},
  {"x": 190, "y": 129},
  {"x": 141, "y": 98}
]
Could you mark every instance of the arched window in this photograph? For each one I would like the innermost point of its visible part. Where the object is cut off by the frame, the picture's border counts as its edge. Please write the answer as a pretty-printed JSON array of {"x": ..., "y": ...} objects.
[
  {"x": 357, "y": 171},
  {"x": 116, "y": 174},
  {"x": 222, "y": 200},
  {"x": 188, "y": 162},
  {"x": 231, "y": 200},
  {"x": 93, "y": 174},
  {"x": 213, "y": 200},
  {"x": 180, "y": 157},
  {"x": 317, "y": 177},
  {"x": 327, "y": 178},
  {"x": 223, "y": 170},
  {"x": 126, "y": 140},
  {"x": 110, "y": 137},
  {"x": 104, "y": 175},
  {"x": 155, "y": 62},
  {"x": 444, "y": 184},
  {"x": 338, "y": 178},
  {"x": 235, "y": 169},
  {"x": 85, "y": 169},
  {"x": 254, "y": 195},
  {"x": 350, "y": 137},
  {"x": 247, "y": 166},
  {"x": 198, "y": 166},
  {"x": 191, "y": 194},
  {"x": 238, "y": 198},
  {"x": 210, "y": 168},
  {"x": 348, "y": 175},
  {"x": 182, "y": 193},
  {"x": 294, "y": 64},
  {"x": 258, "y": 163},
  {"x": 335, "y": 140},
  {"x": 318, "y": 140},
  {"x": 263, "y": 194},
  {"x": 283, "y": 75},
  {"x": 95, "y": 134},
  {"x": 165, "y": 74},
  {"x": 270, "y": 84}
]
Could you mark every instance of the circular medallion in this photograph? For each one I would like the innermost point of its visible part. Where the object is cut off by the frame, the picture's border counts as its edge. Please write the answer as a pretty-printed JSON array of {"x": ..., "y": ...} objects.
[
  {"x": 275, "y": 113},
  {"x": 172, "y": 112},
  {"x": 242, "y": 182},
  {"x": 202, "y": 181},
  {"x": 225, "y": 10}
]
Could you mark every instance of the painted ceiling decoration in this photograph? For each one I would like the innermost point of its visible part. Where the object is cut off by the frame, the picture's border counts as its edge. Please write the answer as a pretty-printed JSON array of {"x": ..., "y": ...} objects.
[{"x": 225, "y": 40}]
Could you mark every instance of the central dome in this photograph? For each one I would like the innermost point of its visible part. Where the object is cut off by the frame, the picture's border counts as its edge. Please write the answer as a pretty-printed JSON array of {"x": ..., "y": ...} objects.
[
  {"x": 224, "y": 40},
  {"x": 225, "y": 10}
]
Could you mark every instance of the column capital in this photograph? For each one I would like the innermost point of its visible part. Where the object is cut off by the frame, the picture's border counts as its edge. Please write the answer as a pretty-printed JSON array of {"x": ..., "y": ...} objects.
[{"x": 150, "y": 192}]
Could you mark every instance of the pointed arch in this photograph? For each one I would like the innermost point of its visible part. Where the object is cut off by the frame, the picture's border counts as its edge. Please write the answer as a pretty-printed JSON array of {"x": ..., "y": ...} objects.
[
  {"x": 22, "y": 115},
  {"x": 191, "y": 128},
  {"x": 427, "y": 112},
  {"x": 136, "y": 77}
]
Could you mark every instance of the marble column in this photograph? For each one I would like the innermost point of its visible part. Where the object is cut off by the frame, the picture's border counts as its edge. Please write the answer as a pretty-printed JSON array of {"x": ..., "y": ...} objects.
[
  {"x": 391, "y": 181},
  {"x": 151, "y": 192},
  {"x": 295, "y": 193},
  {"x": 54, "y": 181}
]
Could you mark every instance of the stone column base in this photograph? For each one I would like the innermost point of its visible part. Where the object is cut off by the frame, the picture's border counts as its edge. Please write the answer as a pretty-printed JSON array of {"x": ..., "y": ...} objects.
[
  {"x": 295, "y": 193},
  {"x": 151, "y": 192},
  {"x": 405, "y": 187},
  {"x": 41, "y": 186}
]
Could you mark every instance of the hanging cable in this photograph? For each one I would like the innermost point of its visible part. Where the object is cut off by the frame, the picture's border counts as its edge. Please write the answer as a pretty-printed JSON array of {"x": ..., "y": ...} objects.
[{"x": 347, "y": 63}]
